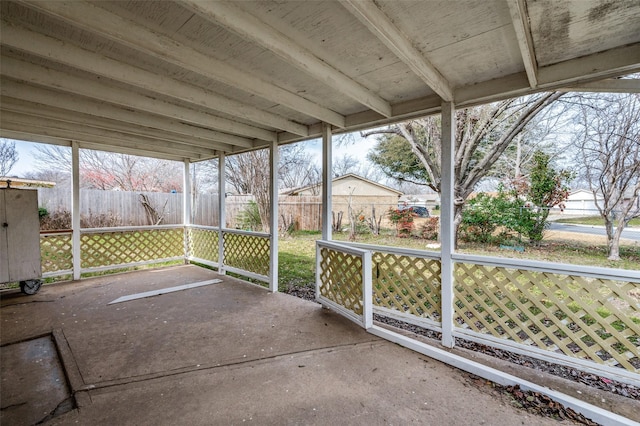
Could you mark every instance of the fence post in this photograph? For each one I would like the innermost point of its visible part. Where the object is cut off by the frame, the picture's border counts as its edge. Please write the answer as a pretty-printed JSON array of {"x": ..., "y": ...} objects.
[
  {"x": 446, "y": 222},
  {"x": 75, "y": 209}
]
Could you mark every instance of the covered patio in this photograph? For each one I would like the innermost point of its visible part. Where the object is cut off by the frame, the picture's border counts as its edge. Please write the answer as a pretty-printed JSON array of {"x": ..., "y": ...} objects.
[
  {"x": 224, "y": 353},
  {"x": 191, "y": 81}
]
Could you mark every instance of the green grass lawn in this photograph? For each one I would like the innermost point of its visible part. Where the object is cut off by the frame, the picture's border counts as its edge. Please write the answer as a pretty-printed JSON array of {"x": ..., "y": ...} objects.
[
  {"x": 595, "y": 221},
  {"x": 297, "y": 253}
]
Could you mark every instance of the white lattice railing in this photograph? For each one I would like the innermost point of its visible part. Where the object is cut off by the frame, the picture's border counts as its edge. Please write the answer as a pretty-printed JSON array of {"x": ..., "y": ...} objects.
[
  {"x": 56, "y": 255},
  {"x": 102, "y": 249},
  {"x": 406, "y": 284},
  {"x": 203, "y": 245},
  {"x": 343, "y": 281},
  {"x": 584, "y": 317},
  {"x": 247, "y": 253},
  {"x": 553, "y": 311}
]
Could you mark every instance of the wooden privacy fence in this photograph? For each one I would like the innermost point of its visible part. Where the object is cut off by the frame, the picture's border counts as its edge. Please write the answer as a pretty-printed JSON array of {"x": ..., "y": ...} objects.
[
  {"x": 117, "y": 208},
  {"x": 121, "y": 208}
]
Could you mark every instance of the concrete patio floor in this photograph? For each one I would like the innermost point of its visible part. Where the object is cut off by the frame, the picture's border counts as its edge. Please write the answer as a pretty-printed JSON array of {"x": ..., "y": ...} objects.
[{"x": 225, "y": 353}]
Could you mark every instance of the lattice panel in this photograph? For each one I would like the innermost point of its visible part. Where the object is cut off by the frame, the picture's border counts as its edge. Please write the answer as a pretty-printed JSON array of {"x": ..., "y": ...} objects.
[
  {"x": 56, "y": 252},
  {"x": 408, "y": 284},
  {"x": 588, "y": 318},
  {"x": 341, "y": 279},
  {"x": 203, "y": 244},
  {"x": 121, "y": 247},
  {"x": 247, "y": 252}
]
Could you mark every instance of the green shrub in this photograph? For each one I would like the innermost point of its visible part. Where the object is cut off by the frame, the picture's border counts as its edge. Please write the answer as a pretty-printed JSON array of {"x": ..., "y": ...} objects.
[{"x": 249, "y": 217}]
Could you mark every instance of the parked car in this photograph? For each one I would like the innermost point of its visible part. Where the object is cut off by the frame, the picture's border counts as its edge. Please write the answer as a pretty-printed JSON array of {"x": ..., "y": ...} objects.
[{"x": 418, "y": 210}]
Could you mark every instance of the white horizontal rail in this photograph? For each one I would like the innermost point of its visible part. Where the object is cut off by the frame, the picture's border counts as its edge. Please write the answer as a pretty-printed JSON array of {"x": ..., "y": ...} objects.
[
  {"x": 52, "y": 233},
  {"x": 208, "y": 228},
  {"x": 555, "y": 268},
  {"x": 128, "y": 229},
  {"x": 424, "y": 254},
  {"x": 248, "y": 233},
  {"x": 129, "y": 265},
  {"x": 204, "y": 261},
  {"x": 246, "y": 273},
  {"x": 57, "y": 273},
  {"x": 341, "y": 247},
  {"x": 408, "y": 318}
]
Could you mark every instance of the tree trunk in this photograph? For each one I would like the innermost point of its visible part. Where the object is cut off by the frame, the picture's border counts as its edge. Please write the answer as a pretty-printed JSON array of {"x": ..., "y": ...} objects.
[
  {"x": 614, "y": 241},
  {"x": 457, "y": 220}
]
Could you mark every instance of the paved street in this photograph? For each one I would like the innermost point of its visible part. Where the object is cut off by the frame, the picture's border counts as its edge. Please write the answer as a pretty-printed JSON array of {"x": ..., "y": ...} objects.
[{"x": 628, "y": 233}]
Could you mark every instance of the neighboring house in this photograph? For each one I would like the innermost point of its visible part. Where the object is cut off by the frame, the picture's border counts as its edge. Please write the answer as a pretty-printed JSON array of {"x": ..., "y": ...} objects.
[
  {"x": 580, "y": 202},
  {"x": 14, "y": 182},
  {"x": 429, "y": 200},
  {"x": 628, "y": 198},
  {"x": 361, "y": 193}
]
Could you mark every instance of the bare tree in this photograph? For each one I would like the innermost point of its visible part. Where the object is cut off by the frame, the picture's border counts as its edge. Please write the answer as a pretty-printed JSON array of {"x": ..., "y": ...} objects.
[
  {"x": 345, "y": 165},
  {"x": 113, "y": 171},
  {"x": 248, "y": 173},
  {"x": 609, "y": 142},
  {"x": 8, "y": 156},
  {"x": 107, "y": 171},
  {"x": 60, "y": 178},
  {"x": 482, "y": 134},
  {"x": 296, "y": 169},
  {"x": 350, "y": 164}
]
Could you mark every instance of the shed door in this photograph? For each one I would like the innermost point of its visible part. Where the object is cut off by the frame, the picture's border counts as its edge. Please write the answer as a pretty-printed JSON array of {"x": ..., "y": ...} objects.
[{"x": 22, "y": 234}]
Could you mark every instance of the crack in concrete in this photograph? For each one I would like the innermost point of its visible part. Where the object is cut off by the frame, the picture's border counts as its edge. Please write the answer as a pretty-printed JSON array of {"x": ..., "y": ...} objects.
[
  {"x": 186, "y": 370},
  {"x": 8, "y": 407},
  {"x": 63, "y": 406}
]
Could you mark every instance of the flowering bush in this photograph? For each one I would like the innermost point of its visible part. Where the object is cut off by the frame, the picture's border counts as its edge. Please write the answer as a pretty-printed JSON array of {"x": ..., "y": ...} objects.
[
  {"x": 403, "y": 219},
  {"x": 430, "y": 228}
]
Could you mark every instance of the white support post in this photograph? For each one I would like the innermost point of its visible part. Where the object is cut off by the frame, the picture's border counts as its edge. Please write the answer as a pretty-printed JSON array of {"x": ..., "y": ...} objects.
[
  {"x": 273, "y": 217},
  {"x": 222, "y": 219},
  {"x": 327, "y": 166},
  {"x": 75, "y": 209},
  {"x": 446, "y": 221},
  {"x": 186, "y": 206}
]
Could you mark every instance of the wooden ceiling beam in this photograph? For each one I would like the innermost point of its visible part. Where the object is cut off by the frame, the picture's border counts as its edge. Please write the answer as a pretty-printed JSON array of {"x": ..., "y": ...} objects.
[
  {"x": 106, "y": 24},
  {"x": 520, "y": 20},
  {"x": 74, "y": 131},
  {"x": 68, "y": 102},
  {"x": 67, "y": 54},
  {"x": 383, "y": 28},
  {"x": 610, "y": 63},
  {"x": 42, "y": 76},
  {"x": 27, "y": 136},
  {"x": 609, "y": 85},
  {"x": 254, "y": 30},
  {"x": 54, "y": 113}
]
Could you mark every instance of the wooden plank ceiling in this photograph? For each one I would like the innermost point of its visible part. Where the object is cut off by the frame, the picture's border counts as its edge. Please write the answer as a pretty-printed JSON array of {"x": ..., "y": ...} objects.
[{"x": 191, "y": 79}]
